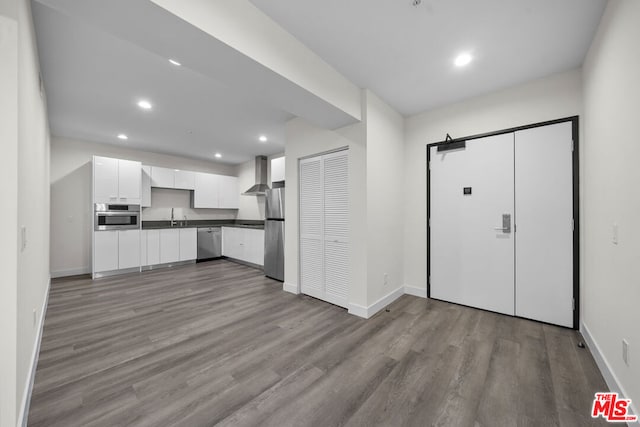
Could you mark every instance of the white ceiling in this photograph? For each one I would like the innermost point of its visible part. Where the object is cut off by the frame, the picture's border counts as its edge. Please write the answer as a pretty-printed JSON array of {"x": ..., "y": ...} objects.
[
  {"x": 405, "y": 54},
  {"x": 99, "y": 58},
  {"x": 98, "y": 61}
]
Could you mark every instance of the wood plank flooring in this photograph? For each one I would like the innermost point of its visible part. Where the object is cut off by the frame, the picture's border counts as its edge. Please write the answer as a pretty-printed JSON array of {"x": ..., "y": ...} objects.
[{"x": 217, "y": 343}]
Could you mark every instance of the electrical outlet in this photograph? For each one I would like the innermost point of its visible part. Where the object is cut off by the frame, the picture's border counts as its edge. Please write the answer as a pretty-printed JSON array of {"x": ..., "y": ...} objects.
[
  {"x": 386, "y": 279},
  {"x": 625, "y": 351},
  {"x": 35, "y": 317},
  {"x": 614, "y": 233}
]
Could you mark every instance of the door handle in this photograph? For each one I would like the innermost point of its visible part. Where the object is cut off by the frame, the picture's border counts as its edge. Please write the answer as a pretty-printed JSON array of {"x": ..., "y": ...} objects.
[{"x": 506, "y": 224}]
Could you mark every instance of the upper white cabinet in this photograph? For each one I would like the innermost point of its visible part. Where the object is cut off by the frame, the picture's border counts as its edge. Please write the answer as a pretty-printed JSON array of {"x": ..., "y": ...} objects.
[
  {"x": 129, "y": 176},
  {"x": 146, "y": 186},
  {"x": 215, "y": 191},
  {"x": 105, "y": 180},
  {"x": 228, "y": 195},
  {"x": 184, "y": 180},
  {"x": 116, "y": 181},
  {"x": 205, "y": 194},
  {"x": 162, "y": 177},
  {"x": 172, "y": 178},
  {"x": 277, "y": 169}
]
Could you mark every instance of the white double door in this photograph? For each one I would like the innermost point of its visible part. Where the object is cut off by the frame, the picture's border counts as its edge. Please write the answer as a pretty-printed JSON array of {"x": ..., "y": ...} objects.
[
  {"x": 501, "y": 224},
  {"x": 324, "y": 227}
]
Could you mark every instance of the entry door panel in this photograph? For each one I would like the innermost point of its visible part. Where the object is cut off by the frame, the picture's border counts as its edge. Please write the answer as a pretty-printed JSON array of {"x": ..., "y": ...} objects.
[
  {"x": 544, "y": 209},
  {"x": 471, "y": 256}
]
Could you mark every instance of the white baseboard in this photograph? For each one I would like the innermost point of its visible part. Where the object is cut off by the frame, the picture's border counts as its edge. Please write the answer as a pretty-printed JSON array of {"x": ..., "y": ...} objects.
[
  {"x": 367, "y": 312},
  {"x": 609, "y": 376},
  {"x": 26, "y": 396},
  {"x": 70, "y": 272},
  {"x": 417, "y": 292},
  {"x": 291, "y": 288}
]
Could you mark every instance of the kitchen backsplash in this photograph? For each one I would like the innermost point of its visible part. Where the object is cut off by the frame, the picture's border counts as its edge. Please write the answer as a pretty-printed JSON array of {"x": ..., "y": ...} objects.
[{"x": 163, "y": 199}]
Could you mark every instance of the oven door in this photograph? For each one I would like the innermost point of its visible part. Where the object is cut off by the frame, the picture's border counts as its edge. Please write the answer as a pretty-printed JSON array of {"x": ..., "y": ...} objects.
[{"x": 117, "y": 220}]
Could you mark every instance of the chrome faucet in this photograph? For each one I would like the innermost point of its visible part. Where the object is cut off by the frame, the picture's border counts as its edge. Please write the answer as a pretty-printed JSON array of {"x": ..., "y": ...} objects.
[
  {"x": 185, "y": 221},
  {"x": 173, "y": 222}
]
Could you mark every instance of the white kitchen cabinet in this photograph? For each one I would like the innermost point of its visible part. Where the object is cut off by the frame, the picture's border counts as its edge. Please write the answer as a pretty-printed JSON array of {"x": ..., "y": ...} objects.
[
  {"x": 232, "y": 242},
  {"x": 228, "y": 194},
  {"x": 162, "y": 177},
  {"x": 143, "y": 247},
  {"x": 105, "y": 251},
  {"x": 277, "y": 169},
  {"x": 129, "y": 176},
  {"x": 205, "y": 194},
  {"x": 116, "y": 181},
  {"x": 254, "y": 246},
  {"x": 105, "y": 180},
  {"x": 153, "y": 247},
  {"x": 146, "y": 187},
  {"x": 169, "y": 245},
  {"x": 184, "y": 180},
  {"x": 243, "y": 244},
  {"x": 128, "y": 249},
  {"x": 188, "y": 244}
]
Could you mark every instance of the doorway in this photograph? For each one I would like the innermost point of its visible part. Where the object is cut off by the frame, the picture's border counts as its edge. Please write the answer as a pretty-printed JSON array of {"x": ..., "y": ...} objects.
[{"x": 502, "y": 222}]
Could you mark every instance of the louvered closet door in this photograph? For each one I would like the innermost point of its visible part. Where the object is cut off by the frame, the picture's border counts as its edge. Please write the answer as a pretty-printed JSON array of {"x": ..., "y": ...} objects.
[
  {"x": 336, "y": 227},
  {"x": 324, "y": 227},
  {"x": 311, "y": 227}
]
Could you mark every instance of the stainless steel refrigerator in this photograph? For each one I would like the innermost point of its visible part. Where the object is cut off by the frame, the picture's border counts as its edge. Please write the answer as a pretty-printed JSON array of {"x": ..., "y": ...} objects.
[{"x": 274, "y": 234}]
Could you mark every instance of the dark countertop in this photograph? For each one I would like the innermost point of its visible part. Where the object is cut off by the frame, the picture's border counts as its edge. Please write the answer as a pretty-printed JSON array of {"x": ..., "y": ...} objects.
[{"x": 195, "y": 223}]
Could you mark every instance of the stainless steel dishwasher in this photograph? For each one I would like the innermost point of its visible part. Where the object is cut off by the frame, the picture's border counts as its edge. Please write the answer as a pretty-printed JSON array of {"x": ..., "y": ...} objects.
[{"x": 209, "y": 243}]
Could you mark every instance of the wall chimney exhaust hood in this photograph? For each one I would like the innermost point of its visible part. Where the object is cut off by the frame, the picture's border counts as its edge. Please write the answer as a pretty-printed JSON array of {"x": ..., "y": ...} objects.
[{"x": 260, "y": 187}]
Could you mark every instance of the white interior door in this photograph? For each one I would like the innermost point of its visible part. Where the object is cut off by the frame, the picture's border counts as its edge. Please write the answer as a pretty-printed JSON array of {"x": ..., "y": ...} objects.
[
  {"x": 472, "y": 257},
  {"x": 311, "y": 227},
  {"x": 336, "y": 227},
  {"x": 544, "y": 217},
  {"x": 324, "y": 227}
]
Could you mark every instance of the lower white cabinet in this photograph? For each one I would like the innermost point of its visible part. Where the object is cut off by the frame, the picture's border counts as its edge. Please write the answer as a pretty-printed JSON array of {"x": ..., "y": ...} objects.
[
  {"x": 128, "y": 249},
  {"x": 150, "y": 247},
  {"x": 105, "y": 251},
  {"x": 116, "y": 250},
  {"x": 169, "y": 245},
  {"x": 244, "y": 244},
  {"x": 188, "y": 244}
]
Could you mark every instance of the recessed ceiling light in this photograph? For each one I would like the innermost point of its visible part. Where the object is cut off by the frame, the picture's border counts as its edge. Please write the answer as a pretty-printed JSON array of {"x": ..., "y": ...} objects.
[
  {"x": 123, "y": 136},
  {"x": 218, "y": 155},
  {"x": 263, "y": 138},
  {"x": 463, "y": 59},
  {"x": 144, "y": 104},
  {"x": 174, "y": 62}
]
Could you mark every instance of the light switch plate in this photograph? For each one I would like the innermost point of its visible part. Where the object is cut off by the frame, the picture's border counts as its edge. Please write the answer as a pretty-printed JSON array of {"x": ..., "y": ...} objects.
[{"x": 614, "y": 233}]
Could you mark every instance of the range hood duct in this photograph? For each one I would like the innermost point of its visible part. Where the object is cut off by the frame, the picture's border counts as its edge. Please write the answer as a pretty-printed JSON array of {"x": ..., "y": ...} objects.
[{"x": 260, "y": 188}]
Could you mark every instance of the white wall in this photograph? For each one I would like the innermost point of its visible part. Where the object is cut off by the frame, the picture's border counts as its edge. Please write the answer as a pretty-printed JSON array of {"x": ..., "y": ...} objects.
[
  {"x": 550, "y": 98},
  {"x": 8, "y": 215},
  {"x": 611, "y": 283},
  {"x": 385, "y": 198},
  {"x": 71, "y": 197},
  {"x": 25, "y": 193},
  {"x": 304, "y": 139}
]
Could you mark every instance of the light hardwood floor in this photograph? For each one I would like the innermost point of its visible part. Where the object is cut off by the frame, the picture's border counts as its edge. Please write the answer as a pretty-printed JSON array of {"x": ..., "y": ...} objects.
[{"x": 217, "y": 343}]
